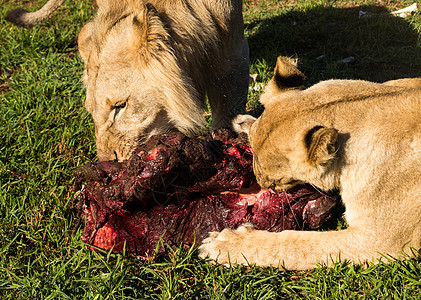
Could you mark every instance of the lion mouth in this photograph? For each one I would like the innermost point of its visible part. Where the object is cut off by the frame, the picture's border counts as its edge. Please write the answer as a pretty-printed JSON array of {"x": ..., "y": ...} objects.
[{"x": 288, "y": 186}]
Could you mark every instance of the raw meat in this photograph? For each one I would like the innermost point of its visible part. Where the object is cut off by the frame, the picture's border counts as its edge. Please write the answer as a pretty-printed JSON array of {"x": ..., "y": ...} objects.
[{"x": 176, "y": 189}]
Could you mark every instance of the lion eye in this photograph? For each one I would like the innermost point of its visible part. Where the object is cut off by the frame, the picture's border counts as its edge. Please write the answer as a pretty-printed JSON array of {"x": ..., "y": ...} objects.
[{"x": 119, "y": 107}]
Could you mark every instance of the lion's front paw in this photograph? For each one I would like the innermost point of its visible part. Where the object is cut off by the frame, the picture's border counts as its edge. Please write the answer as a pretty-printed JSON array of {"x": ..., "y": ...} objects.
[{"x": 229, "y": 246}]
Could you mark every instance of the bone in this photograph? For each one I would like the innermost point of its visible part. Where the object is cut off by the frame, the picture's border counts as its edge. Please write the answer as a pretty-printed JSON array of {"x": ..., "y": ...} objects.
[{"x": 403, "y": 13}]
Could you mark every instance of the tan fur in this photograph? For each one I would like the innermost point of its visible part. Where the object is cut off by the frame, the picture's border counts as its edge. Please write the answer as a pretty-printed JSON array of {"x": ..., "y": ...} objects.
[
  {"x": 150, "y": 65},
  {"x": 359, "y": 137}
]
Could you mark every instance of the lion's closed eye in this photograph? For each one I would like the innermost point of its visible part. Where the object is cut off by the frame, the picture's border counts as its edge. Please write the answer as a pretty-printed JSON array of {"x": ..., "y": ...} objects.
[{"x": 118, "y": 108}]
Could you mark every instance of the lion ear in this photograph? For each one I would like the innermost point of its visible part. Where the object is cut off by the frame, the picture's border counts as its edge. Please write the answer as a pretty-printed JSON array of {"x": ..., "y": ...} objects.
[
  {"x": 84, "y": 41},
  {"x": 148, "y": 32},
  {"x": 242, "y": 123},
  {"x": 286, "y": 76},
  {"x": 320, "y": 144}
]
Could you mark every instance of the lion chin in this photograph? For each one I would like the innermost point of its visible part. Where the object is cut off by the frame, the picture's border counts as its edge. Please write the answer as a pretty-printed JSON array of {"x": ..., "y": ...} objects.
[{"x": 359, "y": 137}]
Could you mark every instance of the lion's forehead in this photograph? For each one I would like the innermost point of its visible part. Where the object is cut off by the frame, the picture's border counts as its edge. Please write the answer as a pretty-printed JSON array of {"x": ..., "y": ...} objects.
[{"x": 271, "y": 135}]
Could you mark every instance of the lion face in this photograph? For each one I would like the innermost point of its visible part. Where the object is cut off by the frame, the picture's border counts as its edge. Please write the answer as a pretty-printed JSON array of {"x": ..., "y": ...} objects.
[
  {"x": 135, "y": 87},
  {"x": 288, "y": 154},
  {"x": 126, "y": 108}
]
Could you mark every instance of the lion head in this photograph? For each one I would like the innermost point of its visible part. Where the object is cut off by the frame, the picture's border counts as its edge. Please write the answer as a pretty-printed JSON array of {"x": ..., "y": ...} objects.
[
  {"x": 287, "y": 150},
  {"x": 135, "y": 86}
]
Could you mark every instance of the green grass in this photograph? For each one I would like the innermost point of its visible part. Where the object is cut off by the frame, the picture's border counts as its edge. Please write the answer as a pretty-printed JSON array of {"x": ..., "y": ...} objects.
[{"x": 45, "y": 133}]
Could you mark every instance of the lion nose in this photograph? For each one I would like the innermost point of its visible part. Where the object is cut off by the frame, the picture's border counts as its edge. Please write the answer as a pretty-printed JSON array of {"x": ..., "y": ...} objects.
[{"x": 106, "y": 156}]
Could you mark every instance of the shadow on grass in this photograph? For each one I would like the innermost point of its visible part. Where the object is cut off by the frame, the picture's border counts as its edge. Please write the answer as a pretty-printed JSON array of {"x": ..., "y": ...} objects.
[{"x": 382, "y": 47}]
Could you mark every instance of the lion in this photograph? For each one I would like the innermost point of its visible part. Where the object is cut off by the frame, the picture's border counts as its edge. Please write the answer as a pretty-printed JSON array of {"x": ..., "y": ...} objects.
[
  {"x": 150, "y": 65},
  {"x": 358, "y": 137}
]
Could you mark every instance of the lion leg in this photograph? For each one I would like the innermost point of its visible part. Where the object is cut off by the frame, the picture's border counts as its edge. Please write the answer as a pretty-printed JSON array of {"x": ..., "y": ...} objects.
[
  {"x": 297, "y": 250},
  {"x": 228, "y": 94}
]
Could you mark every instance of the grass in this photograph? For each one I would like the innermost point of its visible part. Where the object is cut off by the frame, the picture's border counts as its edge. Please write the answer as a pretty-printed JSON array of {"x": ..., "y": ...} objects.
[{"x": 45, "y": 133}]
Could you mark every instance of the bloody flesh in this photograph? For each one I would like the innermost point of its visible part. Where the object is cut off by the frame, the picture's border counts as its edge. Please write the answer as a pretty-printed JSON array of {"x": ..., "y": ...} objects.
[{"x": 178, "y": 189}]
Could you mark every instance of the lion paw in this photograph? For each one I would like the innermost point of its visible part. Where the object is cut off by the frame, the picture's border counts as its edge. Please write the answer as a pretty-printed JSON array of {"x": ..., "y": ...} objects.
[{"x": 229, "y": 246}]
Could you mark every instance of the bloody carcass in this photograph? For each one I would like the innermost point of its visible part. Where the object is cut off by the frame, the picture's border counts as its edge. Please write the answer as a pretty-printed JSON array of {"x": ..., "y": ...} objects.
[{"x": 175, "y": 189}]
